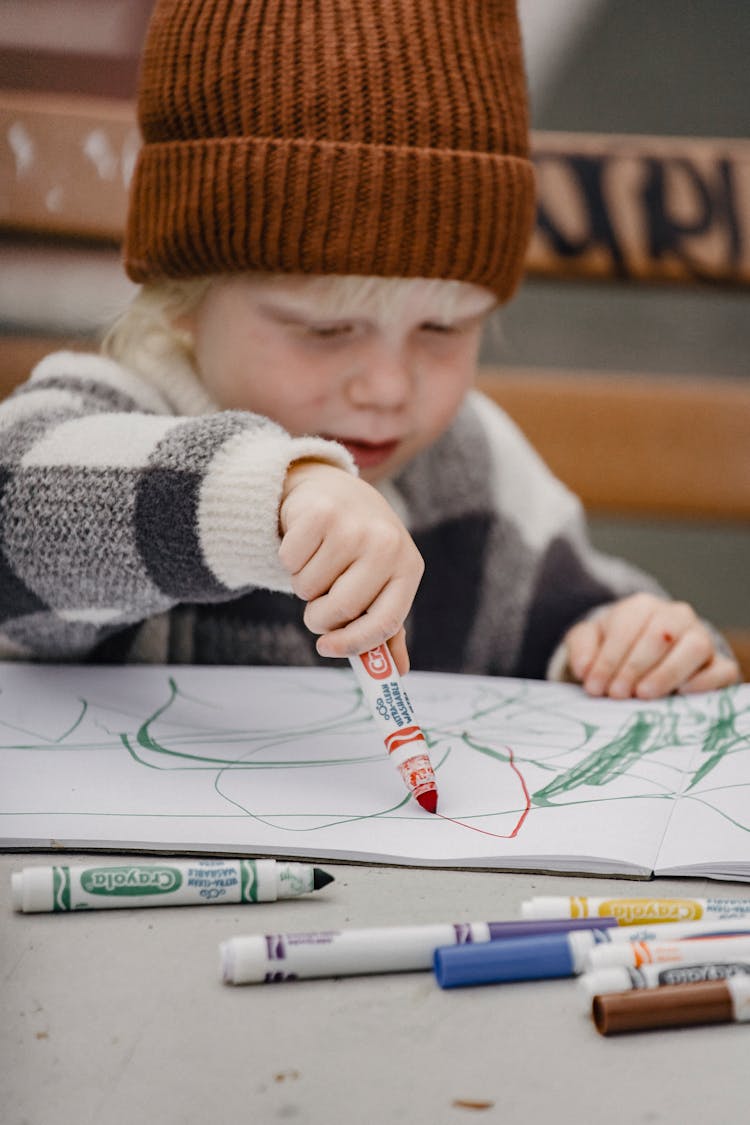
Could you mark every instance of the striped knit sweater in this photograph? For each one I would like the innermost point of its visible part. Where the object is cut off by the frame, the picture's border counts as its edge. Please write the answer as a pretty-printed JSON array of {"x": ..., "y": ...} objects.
[{"x": 140, "y": 523}]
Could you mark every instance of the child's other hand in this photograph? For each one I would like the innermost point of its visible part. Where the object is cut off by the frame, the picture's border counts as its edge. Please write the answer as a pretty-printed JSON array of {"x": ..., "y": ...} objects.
[
  {"x": 645, "y": 646},
  {"x": 351, "y": 559}
]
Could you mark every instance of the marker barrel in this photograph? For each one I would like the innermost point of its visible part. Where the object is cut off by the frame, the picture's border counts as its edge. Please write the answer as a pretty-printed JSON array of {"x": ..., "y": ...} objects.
[
  {"x": 637, "y": 953},
  {"x": 168, "y": 883},
  {"x": 636, "y": 911},
  {"x": 619, "y": 978},
  {"x": 675, "y": 1005},
  {"x": 535, "y": 958},
  {"x": 277, "y": 957},
  {"x": 268, "y": 958},
  {"x": 391, "y": 709},
  {"x": 670, "y": 931}
]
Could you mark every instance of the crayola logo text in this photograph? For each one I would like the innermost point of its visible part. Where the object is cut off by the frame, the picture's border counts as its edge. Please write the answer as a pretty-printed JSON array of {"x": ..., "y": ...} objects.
[
  {"x": 133, "y": 880},
  {"x": 377, "y": 663},
  {"x": 630, "y": 911}
]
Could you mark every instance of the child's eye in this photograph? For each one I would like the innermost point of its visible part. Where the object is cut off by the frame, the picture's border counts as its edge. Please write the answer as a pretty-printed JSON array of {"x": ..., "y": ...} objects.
[
  {"x": 330, "y": 331},
  {"x": 439, "y": 329}
]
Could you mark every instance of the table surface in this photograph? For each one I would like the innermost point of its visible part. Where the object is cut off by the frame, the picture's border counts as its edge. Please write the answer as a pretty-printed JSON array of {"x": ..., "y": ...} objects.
[{"x": 119, "y": 1015}]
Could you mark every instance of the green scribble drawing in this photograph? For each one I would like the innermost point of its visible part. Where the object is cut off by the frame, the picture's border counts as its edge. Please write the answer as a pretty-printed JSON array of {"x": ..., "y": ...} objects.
[
  {"x": 644, "y": 732},
  {"x": 237, "y": 755},
  {"x": 723, "y": 738}
]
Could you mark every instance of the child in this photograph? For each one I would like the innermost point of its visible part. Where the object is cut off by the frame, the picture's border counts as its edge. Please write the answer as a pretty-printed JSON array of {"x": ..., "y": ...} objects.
[{"x": 330, "y": 200}]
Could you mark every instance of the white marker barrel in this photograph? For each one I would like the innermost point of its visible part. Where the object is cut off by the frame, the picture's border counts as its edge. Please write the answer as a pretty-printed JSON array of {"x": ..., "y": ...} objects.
[
  {"x": 620, "y": 978},
  {"x": 391, "y": 709},
  {"x": 277, "y": 957},
  {"x": 687, "y": 950},
  {"x": 102, "y": 886}
]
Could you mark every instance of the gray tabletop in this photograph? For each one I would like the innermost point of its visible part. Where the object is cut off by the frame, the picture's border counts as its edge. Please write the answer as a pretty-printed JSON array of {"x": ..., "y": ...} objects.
[{"x": 120, "y": 1016}]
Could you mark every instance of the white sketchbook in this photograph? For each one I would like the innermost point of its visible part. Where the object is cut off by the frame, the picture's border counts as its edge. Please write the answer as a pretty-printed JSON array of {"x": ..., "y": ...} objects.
[{"x": 287, "y": 762}]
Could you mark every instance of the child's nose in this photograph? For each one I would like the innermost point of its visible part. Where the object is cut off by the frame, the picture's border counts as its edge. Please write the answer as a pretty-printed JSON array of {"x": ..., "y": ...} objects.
[{"x": 385, "y": 381}]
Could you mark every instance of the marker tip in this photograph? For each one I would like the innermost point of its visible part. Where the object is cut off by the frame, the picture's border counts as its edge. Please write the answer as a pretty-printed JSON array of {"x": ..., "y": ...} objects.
[
  {"x": 321, "y": 878},
  {"x": 429, "y": 800}
]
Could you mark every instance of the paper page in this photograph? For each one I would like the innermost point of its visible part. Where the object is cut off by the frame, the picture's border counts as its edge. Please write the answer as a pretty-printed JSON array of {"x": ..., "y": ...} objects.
[
  {"x": 709, "y": 830},
  {"x": 287, "y": 761}
]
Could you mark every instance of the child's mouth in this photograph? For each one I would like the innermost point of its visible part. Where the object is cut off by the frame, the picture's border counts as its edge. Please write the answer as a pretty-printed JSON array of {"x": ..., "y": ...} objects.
[{"x": 369, "y": 454}]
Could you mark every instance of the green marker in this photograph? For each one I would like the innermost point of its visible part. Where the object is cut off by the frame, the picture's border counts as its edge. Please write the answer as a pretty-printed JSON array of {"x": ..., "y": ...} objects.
[{"x": 193, "y": 882}]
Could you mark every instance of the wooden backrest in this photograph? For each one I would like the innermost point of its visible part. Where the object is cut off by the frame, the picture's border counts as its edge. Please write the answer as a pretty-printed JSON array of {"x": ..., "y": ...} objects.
[{"x": 672, "y": 447}]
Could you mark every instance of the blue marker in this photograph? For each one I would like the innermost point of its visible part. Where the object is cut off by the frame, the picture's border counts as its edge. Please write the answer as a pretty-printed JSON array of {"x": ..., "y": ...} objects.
[
  {"x": 532, "y": 958},
  {"x": 562, "y": 954}
]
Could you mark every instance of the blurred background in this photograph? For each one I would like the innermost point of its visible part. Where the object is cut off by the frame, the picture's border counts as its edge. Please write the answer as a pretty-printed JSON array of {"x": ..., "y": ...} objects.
[{"x": 666, "y": 67}]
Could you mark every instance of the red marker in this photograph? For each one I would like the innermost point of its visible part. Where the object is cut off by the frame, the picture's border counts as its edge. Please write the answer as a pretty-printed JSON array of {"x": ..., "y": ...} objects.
[{"x": 392, "y": 710}]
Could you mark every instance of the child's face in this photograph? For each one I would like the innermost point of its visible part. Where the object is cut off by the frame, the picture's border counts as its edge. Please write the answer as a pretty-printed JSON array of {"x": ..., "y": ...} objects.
[{"x": 384, "y": 379}]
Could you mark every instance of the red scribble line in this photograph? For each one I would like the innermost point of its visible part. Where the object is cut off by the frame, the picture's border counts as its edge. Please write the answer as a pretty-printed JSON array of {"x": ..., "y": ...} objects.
[{"x": 527, "y": 807}]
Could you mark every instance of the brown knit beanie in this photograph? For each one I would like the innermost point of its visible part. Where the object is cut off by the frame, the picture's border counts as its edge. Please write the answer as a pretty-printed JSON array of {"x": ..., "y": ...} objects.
[{"x": 385, "y": 137}]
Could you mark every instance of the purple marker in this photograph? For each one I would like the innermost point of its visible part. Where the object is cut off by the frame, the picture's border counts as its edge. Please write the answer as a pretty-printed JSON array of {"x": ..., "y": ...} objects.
[{"x": 388, "y": 949}]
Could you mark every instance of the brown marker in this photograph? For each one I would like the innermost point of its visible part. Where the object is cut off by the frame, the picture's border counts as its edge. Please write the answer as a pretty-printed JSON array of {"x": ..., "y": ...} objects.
[{"x": 673, "y": 1005}]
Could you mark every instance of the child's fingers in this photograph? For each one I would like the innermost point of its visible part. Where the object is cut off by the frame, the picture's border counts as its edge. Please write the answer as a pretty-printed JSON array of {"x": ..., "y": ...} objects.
[
  {"x": 396, "y": 645},
  {"x": 375, "y": 583},
  {"x": 621, "y": 625},
  {"x": 399, "y": 651},
  {"x": 352, "y": 594},
  {"x": 350, "y": 642},
  {"x": 648, "y": 647},
  {"x": 334, "y": 558},
  {"x": 582, "y": 644},
  {"x": 300, "y": 544},
  {"x": 381, "y": 621},
  {"x": 718, "y": 673},
  {"x": 368, "y": 631},
  {"x": 690, "y": 653},
  {"x": 668, "y": 622},
  {"x": 351, "y": 567}
]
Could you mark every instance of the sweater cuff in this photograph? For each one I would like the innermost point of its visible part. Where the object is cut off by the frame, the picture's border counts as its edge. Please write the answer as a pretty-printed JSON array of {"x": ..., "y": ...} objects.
[{"x": 238, "y": 509}]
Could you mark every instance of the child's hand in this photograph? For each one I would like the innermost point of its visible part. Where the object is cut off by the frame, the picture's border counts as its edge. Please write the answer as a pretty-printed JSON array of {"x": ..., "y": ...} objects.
[
  {"x": 351, "y": 559},
  {"x": 646, "y": 647}
]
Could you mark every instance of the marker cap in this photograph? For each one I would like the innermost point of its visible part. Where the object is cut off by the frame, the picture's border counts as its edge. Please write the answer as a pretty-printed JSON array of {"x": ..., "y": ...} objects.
[
  {"x": 606, "y": 956},
  {"x": 243, "y": 960},
  {"x": 32, "y": 890},
  {"x": 533, "y": 958},
  {"x": 671, "y": 1005},
  {"x": 616, "y": 979},
  {"x": 16, "y": 890},
  {"x": 546, "y": 906}
]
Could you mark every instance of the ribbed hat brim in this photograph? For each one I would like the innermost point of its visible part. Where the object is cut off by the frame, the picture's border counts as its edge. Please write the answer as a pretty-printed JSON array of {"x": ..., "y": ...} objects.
[{"x": 296, "y": 206}]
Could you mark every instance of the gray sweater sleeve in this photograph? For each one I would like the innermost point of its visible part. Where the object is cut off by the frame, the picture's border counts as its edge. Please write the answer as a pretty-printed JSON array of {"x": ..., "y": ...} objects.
[{"x": 114, "y": 507}]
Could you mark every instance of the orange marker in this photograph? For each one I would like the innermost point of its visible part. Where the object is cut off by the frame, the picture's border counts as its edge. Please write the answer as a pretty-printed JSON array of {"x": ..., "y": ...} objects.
[{"x": 392, "y": 710}]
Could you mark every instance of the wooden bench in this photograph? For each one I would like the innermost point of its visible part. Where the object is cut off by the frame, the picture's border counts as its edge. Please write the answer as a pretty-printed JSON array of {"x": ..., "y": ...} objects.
[{"x": 651, "y": 210}]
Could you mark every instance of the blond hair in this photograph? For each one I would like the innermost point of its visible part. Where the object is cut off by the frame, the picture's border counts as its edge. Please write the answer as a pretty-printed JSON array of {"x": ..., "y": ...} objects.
[{"x": 147, "y": 328}]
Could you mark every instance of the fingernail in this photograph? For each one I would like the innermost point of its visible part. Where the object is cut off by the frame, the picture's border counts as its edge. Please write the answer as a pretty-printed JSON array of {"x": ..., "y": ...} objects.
[
  {"x": 594, "y": 685},
  {"x": 619, "y": 689}
]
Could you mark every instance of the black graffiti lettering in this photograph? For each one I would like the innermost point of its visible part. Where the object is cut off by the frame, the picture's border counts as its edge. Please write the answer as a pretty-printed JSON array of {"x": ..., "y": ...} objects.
[
  {"x": 589, "y": 173},
  {"x": 666, "y": 234},
  {"x": 714, "y": 208}
]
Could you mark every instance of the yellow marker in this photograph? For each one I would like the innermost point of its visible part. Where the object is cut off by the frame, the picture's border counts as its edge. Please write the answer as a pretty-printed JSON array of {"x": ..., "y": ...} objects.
[{"x": 636, "y": 911}]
